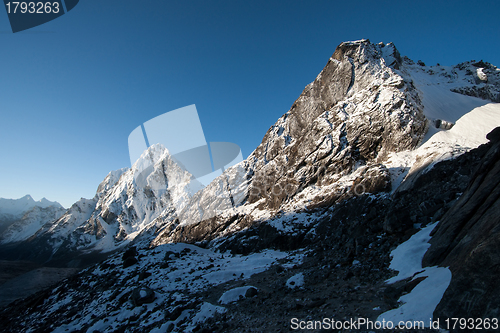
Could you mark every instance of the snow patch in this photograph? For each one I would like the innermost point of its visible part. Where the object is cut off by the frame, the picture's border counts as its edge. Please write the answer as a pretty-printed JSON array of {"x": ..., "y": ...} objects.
[
  {"x": 234, "y": 295},
  {"x": 420, "y": 303},
  {"x": 407, "y": 257},
  {"x": 206, "y": 311},
  {"x": 296, "y": 281}
]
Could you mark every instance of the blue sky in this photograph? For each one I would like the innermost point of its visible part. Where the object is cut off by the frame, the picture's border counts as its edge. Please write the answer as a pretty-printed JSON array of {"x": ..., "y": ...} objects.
[{"x": 74, "y": 88}]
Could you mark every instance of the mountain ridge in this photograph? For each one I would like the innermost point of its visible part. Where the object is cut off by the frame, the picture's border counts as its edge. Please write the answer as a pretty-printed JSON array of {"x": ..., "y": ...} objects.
[
  {"x": 353, "y": 129},
  {"x": 371, "y": 156},
  {"x": 19, "y": 206}
]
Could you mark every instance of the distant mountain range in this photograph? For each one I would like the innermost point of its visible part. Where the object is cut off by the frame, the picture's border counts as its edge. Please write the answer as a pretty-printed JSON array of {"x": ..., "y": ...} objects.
[
  {"x": 15, "y": 208},
  {"x": 23, "y": 217}
]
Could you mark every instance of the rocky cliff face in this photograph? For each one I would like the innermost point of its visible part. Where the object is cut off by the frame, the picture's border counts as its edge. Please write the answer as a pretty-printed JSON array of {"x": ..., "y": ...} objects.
[
  {"x": 328, "y": 146},
  {"x": 356, "y": 111},
  {"x": 467, "y": 241},
  {"x": 352, "y": 131}
]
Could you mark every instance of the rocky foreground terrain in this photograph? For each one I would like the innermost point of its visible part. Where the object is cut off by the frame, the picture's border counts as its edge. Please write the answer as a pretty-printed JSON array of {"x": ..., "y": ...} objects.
[{"x": 375, "y": 197}]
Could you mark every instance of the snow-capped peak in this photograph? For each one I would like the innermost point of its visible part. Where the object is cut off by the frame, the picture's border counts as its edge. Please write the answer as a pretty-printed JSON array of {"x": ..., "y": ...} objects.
[{"x": 150, "y": 156}]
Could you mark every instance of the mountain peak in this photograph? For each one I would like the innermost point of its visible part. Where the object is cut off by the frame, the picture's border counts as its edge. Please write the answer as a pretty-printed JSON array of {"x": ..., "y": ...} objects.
[
  {"x": 150, "y": 156},
  {"x": 359, "y": 49},
  {"x": 27, "y": 197},
  {"x": 345, "y": 48},
  {"x": 44, "y": 201}
]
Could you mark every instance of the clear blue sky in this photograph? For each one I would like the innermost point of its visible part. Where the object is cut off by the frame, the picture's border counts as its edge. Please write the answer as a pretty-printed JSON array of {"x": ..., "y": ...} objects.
[{"x": 73, "y": 89}]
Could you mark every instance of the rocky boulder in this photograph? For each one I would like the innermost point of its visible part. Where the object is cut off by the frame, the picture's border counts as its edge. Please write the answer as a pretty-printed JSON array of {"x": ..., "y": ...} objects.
[{"x": 142, "y": 295}]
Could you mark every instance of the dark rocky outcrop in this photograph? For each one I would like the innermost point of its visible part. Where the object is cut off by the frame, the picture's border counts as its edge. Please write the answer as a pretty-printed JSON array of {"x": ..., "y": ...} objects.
[
  {"x": 129, "y": 257},
  {"x": 484, "y": 92},
  {"x": 468, "y": 241}
]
